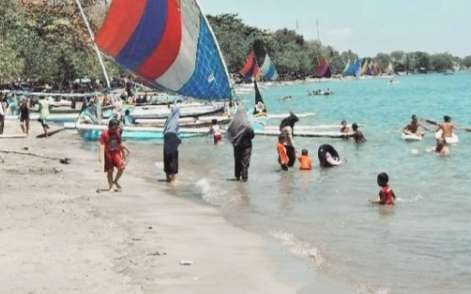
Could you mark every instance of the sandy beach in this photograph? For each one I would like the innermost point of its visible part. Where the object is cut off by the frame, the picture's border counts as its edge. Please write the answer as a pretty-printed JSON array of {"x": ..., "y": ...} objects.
[{"x": 58, "y": 235}]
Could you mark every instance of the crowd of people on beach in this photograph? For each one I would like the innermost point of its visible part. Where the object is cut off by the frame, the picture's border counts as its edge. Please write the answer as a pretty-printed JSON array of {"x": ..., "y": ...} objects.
[{"x": 240, "y": 134}]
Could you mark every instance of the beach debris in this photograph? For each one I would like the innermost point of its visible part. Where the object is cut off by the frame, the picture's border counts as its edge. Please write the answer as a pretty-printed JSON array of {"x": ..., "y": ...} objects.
[
  {"x": 186, "y": 262},
  {"x": 63, "y": 160},
  {"x": 149, "y": 227},
  {"x": 157, "y": 253}
]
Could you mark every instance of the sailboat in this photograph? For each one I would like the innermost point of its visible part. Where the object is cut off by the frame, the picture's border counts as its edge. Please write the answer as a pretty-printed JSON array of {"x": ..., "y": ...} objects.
[
  {"x": 323, "y": 69},
  {"x": 354, "y": 69},
  {"x": 268, "y": 70},
  {"x": 389, "y": 70},
  {"x": 250, "y": 70},
  {"x": 260, "y": 109},
  {"x": 347, "y": 66},
  {"x": 169, "y": 44}
]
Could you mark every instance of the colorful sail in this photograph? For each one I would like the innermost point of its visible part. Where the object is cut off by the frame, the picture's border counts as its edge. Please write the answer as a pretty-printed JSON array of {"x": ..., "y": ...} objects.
[
  {"x": 251, "y": 70},
  {"x": 354, "y": 69},
  {"x": 365, "y": 68},
  {"x": 390, "y": 69},
  {"x": 268, "y": 70},
  {"x": 323, "y": 69},
  {"x": 169, "y": 43},
  {"x": 347, "y": 66}
]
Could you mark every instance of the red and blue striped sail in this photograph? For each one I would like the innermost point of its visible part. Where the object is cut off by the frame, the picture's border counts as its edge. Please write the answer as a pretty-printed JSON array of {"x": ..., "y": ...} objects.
[{"x": 169, "y": 43}]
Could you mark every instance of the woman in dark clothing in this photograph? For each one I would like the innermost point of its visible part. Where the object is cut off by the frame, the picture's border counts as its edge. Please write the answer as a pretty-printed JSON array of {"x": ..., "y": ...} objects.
[
  {"x": 287, "y": 129},
  {"x": 171, "y": 143},
  {"x": 24, "y": 116},
  {"x": 241, "y": 134}
]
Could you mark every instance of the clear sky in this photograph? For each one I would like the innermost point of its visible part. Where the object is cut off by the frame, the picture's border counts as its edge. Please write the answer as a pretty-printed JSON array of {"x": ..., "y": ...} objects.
[{"x": 365, "y": 26}]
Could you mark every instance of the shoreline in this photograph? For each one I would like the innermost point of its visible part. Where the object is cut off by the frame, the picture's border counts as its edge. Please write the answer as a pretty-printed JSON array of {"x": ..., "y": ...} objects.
[{"x": 60, "y": 236}]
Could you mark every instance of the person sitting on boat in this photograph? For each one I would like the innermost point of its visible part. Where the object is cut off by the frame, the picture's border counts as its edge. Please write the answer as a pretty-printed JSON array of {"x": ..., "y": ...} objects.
[
  {"x": 260, "y": 109},
  {"x": 344, "y": 128},
  {"x": 215, "y": 131},
  {"x": 413, "y": 128},
  {"x": 128, "y": 119},
  {"x": 446, "y": 128},
  {"x": 441, "y": 148},
  {"x": 287, "y": 129},
  {"x": 357, "y": 134}
]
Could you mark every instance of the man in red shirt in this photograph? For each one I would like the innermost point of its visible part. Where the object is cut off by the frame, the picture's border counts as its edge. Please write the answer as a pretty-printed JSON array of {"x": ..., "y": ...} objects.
[{"x": 114, "y": 153}]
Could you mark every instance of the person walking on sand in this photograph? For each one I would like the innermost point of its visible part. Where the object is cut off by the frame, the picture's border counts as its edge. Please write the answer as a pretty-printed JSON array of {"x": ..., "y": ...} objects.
[
  {"x": 2, "y": 115},
  {"x": 241, "y": 134},
  {"x": 171, "y": 143},
  {"x": 43, "y": 114},
  {"x": 114, "y": 153},
  {"x": 24, "y": 116},
  {"x": 287, "y": 129}
]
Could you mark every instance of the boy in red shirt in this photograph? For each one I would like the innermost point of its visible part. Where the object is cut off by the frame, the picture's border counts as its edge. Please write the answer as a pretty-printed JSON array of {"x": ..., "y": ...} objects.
[
  {"x": 305, "y": 162},
  {"x": 283, "y": 159},
  {"x": 114, "y": 153},
  {"x": 386, "y": 194}
]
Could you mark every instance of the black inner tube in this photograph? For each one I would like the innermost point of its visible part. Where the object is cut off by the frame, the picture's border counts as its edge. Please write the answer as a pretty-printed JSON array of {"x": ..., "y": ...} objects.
[{"x": 323, "y": 149}]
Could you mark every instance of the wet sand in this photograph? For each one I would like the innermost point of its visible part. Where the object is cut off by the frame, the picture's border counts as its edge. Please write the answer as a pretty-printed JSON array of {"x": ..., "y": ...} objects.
[{"x": 58, "y": 235}]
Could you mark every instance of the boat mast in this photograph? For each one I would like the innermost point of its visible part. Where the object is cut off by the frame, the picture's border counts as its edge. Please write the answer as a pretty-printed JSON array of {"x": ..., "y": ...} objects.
[{"x": 97, "y": 51}]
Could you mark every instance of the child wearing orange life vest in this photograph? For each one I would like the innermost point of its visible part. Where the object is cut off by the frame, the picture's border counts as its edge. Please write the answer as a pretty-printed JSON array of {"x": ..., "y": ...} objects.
[
  {"x": 305, "y": 162},
  {"x": 386, "y": 194},
  {"x": 283, "y": 159}
]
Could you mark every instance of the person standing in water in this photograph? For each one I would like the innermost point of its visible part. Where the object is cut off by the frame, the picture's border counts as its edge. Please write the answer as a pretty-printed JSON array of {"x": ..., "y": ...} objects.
[
  {"x": 241, "y": 134},
  {"x": 357, "y": 134},
  {"x": 282, "y": 154},
  {"x": 24, "y": 116},
  {"x": 215, "y": 131},
  {"x": 114, "y": 154},
  {"x": 447, "y": 127},
  {"x": 171, "y": 143},
  {"x": 287, "y": 130}
]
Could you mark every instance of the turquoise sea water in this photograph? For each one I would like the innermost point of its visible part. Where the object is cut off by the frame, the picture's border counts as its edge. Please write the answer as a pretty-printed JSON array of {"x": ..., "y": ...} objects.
[
  {"x": 422, "y": 245},
  {"x": 323, "y": 218}
]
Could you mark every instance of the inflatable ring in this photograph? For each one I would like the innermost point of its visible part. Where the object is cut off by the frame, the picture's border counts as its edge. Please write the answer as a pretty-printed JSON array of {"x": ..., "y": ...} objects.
[{"x": 321, "y": 153}]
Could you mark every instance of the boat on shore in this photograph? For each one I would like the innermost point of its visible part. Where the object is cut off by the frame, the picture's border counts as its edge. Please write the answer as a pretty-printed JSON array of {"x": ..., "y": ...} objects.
[{"x": 192, "y": 109}]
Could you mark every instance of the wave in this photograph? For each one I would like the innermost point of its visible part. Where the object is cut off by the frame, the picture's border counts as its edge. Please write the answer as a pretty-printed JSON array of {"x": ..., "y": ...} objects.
[
  {"x": 414, "y": 199},
  {"x": 298, "y": 247}
]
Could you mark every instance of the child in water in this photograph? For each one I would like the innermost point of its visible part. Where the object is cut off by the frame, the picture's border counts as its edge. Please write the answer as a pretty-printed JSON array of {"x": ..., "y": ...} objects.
[
  {"x": 215, "y": 130},
  {"x": 305, "y": 162},
  {"x": 283, "y": 159},
  {"x": 386, "y": 194}
]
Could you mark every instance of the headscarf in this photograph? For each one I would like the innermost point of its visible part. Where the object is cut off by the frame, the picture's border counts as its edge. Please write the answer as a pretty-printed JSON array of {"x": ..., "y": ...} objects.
[
  {"x": 291, "y": 120},
  {"x": 239, "y": 124},
  {"x": 172, "y": 125}
]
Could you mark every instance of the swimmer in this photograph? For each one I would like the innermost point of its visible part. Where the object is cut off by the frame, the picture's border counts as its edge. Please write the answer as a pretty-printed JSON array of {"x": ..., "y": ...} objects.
[
  {"x": 386, "y": 194},
  {"x": 413, "y": 127},
  {"x": 305, "y": 162},
  {"x": 441, "y": 149},
  {"x": 357, "y": 134},
  {"x": 447, "y": 127},
  {"x": 344, "y": 129},
  {"x": 283, "y": 159}
]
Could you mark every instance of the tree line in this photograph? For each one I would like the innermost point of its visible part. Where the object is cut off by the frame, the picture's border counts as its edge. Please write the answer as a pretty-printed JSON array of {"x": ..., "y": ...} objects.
[{"x": 47, "y": 42}]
